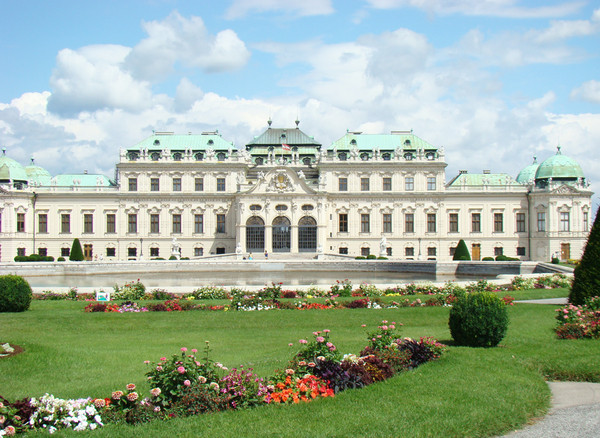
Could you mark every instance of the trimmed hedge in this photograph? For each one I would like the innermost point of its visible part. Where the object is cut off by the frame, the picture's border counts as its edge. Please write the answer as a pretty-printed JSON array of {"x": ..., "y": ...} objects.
[
  {"x": 462, "y": 252},
  {"x": 15, "y": 294},
  {"x": 76, "y": 251},
  {"x": 587, "y": 274}
]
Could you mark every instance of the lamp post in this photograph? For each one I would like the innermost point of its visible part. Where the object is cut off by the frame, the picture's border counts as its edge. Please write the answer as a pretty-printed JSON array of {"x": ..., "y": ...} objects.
[{"x": 141, "y": 248}]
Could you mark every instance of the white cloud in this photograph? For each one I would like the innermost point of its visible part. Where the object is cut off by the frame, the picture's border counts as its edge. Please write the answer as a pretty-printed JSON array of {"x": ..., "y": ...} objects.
[
  {"x": 494, "y": 8},
  {"x": 564, "y": 29},
  {"x": 589, "y": 91},
  {"x": 240, "y": 8}
]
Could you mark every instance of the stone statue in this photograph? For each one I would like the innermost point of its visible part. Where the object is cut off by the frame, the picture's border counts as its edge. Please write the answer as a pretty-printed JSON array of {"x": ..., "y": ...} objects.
[
  {"x": 238, "y": 248},
  {"x": 301, "y": 174},
  {"x": 383, "y": 247},
  {"x": 175, "y": 248}
]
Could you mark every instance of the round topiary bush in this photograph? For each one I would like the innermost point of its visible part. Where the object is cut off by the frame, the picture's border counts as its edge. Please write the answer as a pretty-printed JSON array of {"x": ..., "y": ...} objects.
[
  {"x": 478, "y": 319},
  {"x": 15, "y": 293}
]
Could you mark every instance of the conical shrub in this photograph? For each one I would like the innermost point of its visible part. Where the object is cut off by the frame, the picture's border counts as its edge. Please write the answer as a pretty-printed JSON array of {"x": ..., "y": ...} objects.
[
  {"x": 462, "y": 252},
  {"x": 587, "y": 275},
  {"x": 76, "y": 251}
]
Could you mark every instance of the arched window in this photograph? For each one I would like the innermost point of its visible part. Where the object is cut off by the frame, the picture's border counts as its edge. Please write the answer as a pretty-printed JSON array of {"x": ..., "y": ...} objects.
[
  {"x": 155, "y": 156},
  {"x": 199, "y": 156},
  {"x": 307, "y": 234},
  {"x": 342, "y": 156},
  {"x": 281, "y": 234},
  {"x": 306, "y": 161},
  {"x": 255, "y": 234},
  {"x": 177, "y": 156}
]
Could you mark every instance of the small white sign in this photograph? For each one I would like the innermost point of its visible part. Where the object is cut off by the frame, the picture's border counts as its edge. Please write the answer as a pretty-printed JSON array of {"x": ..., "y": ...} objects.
[{"x": 102, "y": 296}]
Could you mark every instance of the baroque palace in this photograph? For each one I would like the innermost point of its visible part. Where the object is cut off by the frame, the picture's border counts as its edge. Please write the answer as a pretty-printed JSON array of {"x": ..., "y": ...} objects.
[{"x": 387, "y": 195}]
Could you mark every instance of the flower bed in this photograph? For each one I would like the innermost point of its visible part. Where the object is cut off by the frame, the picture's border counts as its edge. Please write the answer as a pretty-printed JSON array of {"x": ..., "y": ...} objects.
[
  {"x": 186, "y": 384},
  {"x": 576, "y": 322}
]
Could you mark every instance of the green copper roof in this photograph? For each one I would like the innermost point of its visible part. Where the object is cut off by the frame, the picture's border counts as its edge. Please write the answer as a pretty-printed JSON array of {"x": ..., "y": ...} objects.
[
  {"x": 11, "y": 170},
  {"x": 396, "y": 140},
  {"x": 81, "y": 180},
  {"x": 559, "y": 166},
  {"x": 528, "y": 174},
  {"x": 167, "y": 140},
  {"x": 481, "y": 179},
  {"x": 37, "y": 175},
  {"x": 273, "y": 138}
]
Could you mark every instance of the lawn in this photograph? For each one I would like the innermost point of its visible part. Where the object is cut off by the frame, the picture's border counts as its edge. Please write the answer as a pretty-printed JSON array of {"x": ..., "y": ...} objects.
[{"x": 468, "y": 392}]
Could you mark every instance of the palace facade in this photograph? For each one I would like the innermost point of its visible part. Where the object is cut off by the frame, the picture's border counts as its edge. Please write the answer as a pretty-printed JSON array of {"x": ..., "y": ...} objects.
[{"x": 387, "y": 195}]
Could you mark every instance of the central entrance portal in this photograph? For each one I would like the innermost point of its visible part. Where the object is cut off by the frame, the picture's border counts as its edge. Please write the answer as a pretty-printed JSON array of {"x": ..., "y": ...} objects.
[{"x": 281, "y": 234}]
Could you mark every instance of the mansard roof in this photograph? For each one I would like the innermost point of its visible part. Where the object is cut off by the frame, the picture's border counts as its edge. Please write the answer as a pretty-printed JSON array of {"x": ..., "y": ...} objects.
[
  {"x": 277, "y": 136},
  {"x": 171, "y": 141},
  {"x": 404, "y": 140}
]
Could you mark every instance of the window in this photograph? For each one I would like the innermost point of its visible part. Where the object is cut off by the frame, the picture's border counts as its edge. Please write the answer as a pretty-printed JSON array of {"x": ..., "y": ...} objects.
[
  {"x": 498, "y": 251},
  {"x": 343, "y": 184},
  {"x": 343, "y": 250},
  {"x": 365, "y": 252},
  {"x": 199, "y": 184},
  {"x": 307, "y": 207},
  {"x": 65, "y": 252},
  {"x": 155, "y": 223},
  {"x": 498, "y": 222},
  {"x": 177, "y": 184},
  {"x": 132, "y": 223},
  {"x": 520, "y": 250},
  {"x": 220, "y": 184},
  {"x": 43, "y": 251},
  {"x": 154, "y": 252},
  {"x": 452, "y": 251},
  {"x": 364, "y": 184},
  {"x": 409, "y": 251},
  {"x": 154, "y": 185},
  {"x": 586, "y": 221},
  {"x": 176, "y": 224},
  {"x": 453, "y": 223},
  {"x": 431, "y": 252},
  {"x": 409, "y": 183},
  {"x": 42, "y": 223},
  {"x": 133, "y": 184},
  {"x": 431, "y": 223},
  {"x": 88, "y": 223},
  {"x": 431, "y": 183},
  {"x": 20, "y": 222},
  {"x": 387, "y": 184},
  {"x": 520, "y": 222},
  {"x": 131, "y": 252},
  {"x": 198, "y": 252},
  {"x": 281, "y": 207},
  {"x": 476, "y": 222},
  {"x": 365, "y": 223},
  {"x": 111, "y": 252},
  {"x": 388, "y": 251},
  {"x": 220, "y": 223},
  {"x": 409, "y": 223},
  {"x": 565, "y": 221},
  {"x": 111, "y": 223},
  {"x": 65, "y": 223},
  {"x": 541, "y": 221},
  {"x": 343, "y": 222},
  {"x": 387, "y": 222},
  {"x": 21, "y": 251},
  {"x": 198, "y": 223}
]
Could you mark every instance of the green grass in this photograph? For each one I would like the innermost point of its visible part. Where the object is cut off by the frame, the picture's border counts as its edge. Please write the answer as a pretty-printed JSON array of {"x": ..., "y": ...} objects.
[{"x": 469, "y": 392}]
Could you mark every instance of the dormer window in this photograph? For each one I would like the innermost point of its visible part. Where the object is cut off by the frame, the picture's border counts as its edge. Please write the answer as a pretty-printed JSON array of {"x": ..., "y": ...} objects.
[
  {"x": 386, "y": 156},
  {"x": 199, "y": 156},
  {"x": 353, "y": 141},
  {"x": 364, "y": 156},
  {"x": 133, "y": 155},
  {"x": 259, "y": 161},
  {"x": 210, "y": 142},
  {"x": 407, "y": 143},
  {"x": 408, "y": 156},
  {"x": 155, "y": 156},
  {"x": 306, "y": 161},
  {"x": 430, "y": 156},
  {"x": 221, "y": 156},
  {"x": 342, "y": 156},
  {"x": 157, "y": 142},
  {"x": 177, "y": 156}
]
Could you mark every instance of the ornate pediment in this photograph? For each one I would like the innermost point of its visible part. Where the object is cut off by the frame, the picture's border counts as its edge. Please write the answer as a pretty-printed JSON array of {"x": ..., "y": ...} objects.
[
  {"x": 565, "y": 189},
  {"x": 280, "y": 182}
]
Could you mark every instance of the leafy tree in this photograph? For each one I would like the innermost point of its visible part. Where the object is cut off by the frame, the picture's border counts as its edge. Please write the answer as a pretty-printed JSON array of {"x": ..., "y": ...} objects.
[
  {"x": 76, "y": 251},
  {"x": 462, "y": 252},
  {"x": 587, "y": 273}
]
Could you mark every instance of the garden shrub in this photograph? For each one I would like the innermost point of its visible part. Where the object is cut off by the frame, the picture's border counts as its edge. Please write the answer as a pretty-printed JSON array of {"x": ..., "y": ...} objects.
[
  {"x": 587, "y": 274},
  {"x": 478, "y": 319},
  {"x": 555, "y": 260},
  {"x": 371, "y": 257},
  {"x": 76, "y": 254},
  {"x": 130, "y": 291},
  {"x": 342, "y": 288},
  {"x": 462, "y": 252},
  {"x": 487, "y": 259},
  {"x": 338, "y": 378},
  {"x": 15, "y": 294},
  {"x": 60, "y": 259}
]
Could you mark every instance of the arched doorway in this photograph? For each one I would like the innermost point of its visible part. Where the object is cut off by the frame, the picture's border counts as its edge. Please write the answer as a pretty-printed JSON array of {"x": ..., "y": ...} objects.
[
  {"x": 255, "y": 234},
  {"x": 307, "y": 234},
  {"x": 281, "y": 234}
]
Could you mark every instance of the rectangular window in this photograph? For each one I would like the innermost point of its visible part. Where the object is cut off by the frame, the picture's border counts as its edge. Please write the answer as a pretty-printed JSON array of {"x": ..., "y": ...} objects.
[
  {"x": 65, "y": 223},
  {"x": 42, "y": 223},
  {"x": 476, "y": 222},
  {"x": 431, "y": 183},
  {"x": 221, "y": 223},
  {"x": 452, "y": 251},
  {"x": 409, "y": 183},
  {"x": 453, "y": 223},
  {"x": 431, "y": 223},
  {"x": 198, "y": 223},
  {"x": 21, "y": 251},
  {"x": 176, "y": 224},
  {"x": 65, "y": 252},
  {"x": 43, "y": 251},
  {"x": 520, "y": 222},
  {"x": 133, "y": 184},
  {"x": 586, "y": 221},
  {"x": 343, "y": 184},
  {"x": 88, "y": 223},
  {"x": 365, "y": 252},
  {"x": 498, "y": 251},
  {"x": 155, "y": 223},
  {"x": 364, "y": 184},
  {"x": 20, "y": 222},
  {"x": 199, "y": 184},
  {"x": 541, "y": 221},
  {"x": 365, "y": 223},
  {"x": 220, "y": 184},
  {"x": 565, "y": 221},
  {"x": 131, "y": 252},
  {"x": 520, "y": 250},
  {"x": 177, "y": 184},
  {"x": 409, "y": 252},
  {"x": 387, "y": 184},
  {"x": 154, "y": 252},
  {"x": 132, "y": 223},
  {"x": 111, "y": 223},
  {"x": 409, "y": 223},
  {"x": 343, "y": 250},
  {"x": 498, "y": 222},
  {"x": 111, "y": 252},
  {"x": 431, "y": 251},
  {"x": 388, "y": 251},
  {"x": 343, "y": 222},
  {"x": 198, "y": 252},
  {"x": 387, "y": 222},
  {"x": 154, "y": 185}
]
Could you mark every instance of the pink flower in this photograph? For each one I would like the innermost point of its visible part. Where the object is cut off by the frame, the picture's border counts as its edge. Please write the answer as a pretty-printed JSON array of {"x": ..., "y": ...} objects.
[
  {"x": 10, "y": 431},
  {"x": 303, "y": 341},
  {"x": 187, "y": 382},
  {"x": 155, "y": 392},
  {"x": 132, "y": 396},
  {"x": 202, "y": 379},
  {"x": 146, "y": 362},
  {"x": 326, "y": 331},
  {"x": 312, "y": 364},
  {"x": 363, "y": 325},
  {"x": 180, "y": 370},
  {"x": 194, "y": 350},
  {"x": 159, "y": 368},
  {"x": 332, "y": 348},
  {"x": 290, "y": 344},
  {"x": 329, "y": 344},
  {"x": 130, "y": 386},
  {"x": 302, "y": 363},
  {"x": 117, "y": 395},
  {"x": 163, "y": 359},
  {"x": 392, "y": 327},
  {"x": 289, "y": 371},
  {"x": 183, "y": 349},
  {"x": 320, "y": 339}
]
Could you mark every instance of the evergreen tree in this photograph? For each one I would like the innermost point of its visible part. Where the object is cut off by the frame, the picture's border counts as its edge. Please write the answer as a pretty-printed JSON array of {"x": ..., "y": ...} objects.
[
  {"x": 462, "y": 252},
  {"x": 76, "y": 251},
  {"x": 587, "y": 274}
]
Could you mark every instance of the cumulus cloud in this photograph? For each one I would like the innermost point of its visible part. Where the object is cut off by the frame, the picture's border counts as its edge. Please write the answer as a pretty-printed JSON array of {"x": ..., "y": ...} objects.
[
  {"x": 589, "y": 91},
  {"x": 187, "y": 41},
  {"x": 240, "y": 8},
  {"x": 494, "y": 8}
]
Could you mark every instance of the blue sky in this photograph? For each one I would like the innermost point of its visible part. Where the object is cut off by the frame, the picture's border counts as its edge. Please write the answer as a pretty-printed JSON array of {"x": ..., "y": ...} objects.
[{"x": 492, "y": 81}]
